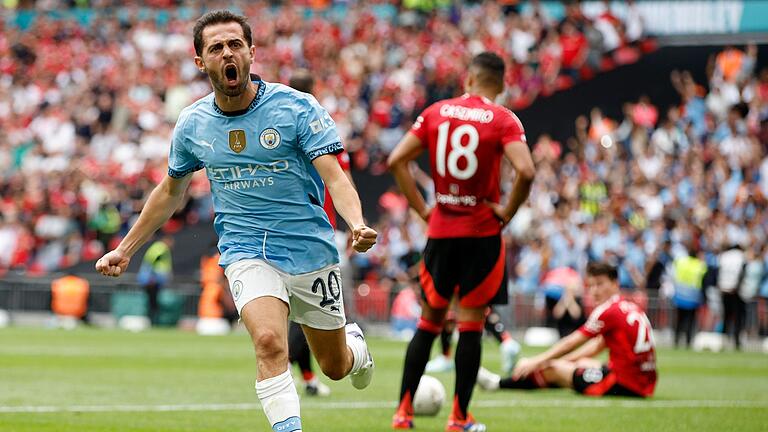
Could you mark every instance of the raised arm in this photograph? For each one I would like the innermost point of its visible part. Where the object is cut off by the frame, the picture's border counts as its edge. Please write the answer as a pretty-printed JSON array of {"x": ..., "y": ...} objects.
[{"x": 163, "y": 201}]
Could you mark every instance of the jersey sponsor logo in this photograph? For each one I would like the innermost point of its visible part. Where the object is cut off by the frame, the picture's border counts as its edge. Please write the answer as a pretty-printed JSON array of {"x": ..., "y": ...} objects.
[
  {"x": 465, "y": 200},
  {"x": 270, "y": 138},
  {"x": 468, "y": 114},
  {"x": 321, "y": 124},
  {"x": 237, "y": 289},
  {"x": 248, "y": 176},
  {"x": 316, "y": 126},
  {"x": 237, "y": 140},
  {"x": 248, "y": 184},
  {"x": 244, "y": 171}
]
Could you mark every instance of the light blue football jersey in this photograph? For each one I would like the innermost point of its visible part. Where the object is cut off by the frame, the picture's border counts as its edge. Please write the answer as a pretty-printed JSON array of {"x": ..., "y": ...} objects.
[{"x": 267, "y": 196}]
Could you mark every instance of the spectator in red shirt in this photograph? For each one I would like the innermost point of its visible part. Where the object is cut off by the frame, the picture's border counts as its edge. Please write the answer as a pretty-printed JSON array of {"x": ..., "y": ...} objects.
[
  {"x": 575, "y": 49},
  {"x": 644, "y": 113}
]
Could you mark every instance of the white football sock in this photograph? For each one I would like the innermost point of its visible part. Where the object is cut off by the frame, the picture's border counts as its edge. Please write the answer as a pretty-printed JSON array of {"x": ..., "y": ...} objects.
[
  {"x": 359, "y": 352},
  {"x": 280, "y": 402}
]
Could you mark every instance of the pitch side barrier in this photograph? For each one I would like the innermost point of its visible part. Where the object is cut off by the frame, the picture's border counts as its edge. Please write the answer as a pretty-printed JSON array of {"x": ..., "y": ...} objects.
[{"x": 372, "y": 303}]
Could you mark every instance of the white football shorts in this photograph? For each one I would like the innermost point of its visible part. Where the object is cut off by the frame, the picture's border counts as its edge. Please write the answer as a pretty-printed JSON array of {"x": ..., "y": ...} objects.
[{"x": 314, "y": 299}]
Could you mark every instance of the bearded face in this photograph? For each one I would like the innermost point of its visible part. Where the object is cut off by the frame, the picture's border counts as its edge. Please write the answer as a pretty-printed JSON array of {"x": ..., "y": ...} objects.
[{"x": 226, "y": 58}]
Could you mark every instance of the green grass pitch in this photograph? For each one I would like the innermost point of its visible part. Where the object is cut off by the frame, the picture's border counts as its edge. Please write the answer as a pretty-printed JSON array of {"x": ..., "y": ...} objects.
[{"x": 108, "y": 380}]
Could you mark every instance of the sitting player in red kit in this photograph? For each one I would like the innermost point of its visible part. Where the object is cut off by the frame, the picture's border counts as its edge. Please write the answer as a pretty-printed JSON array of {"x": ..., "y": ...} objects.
[{"x": 616, "y": 324}]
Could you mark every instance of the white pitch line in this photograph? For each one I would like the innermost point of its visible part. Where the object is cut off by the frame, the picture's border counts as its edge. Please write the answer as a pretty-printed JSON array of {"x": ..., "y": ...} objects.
[{"x": 352, "y": 405}]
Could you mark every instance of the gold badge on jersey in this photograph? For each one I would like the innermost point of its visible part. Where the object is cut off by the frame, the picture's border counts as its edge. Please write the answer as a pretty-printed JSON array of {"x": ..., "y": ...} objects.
[{"x": 237, "y": 140}]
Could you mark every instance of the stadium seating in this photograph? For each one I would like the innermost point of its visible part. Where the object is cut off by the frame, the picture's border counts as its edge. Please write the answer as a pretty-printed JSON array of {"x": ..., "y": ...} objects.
[
  {"x": 108, "y": 85},
  {"x": 631, "y": 185}
]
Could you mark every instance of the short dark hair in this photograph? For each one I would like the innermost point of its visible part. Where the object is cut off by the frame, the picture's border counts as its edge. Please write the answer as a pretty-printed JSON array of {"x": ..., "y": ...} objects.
[
  {"x": 601, "y": 268},
  {"x": 490, "y": 68},
  {"x": 219, "y": 17},
  {"x": 302, "y": 81}
]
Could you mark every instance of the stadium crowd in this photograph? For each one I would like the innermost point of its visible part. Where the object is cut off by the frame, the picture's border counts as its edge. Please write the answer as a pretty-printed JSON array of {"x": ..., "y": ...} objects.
[
  {"x": 647, "y": 188},
  {"x": 88, "y": 98}
]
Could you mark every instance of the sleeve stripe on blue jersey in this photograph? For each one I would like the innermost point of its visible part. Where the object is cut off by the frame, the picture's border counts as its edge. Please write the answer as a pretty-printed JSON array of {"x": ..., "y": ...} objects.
[
  {"x": 179, "y": 174},
  {"x": 334, "y": 148}
]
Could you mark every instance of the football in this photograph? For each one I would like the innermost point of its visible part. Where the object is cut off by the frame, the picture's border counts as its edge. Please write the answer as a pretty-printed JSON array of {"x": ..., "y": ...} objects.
[{"x": 429, "y": 396}]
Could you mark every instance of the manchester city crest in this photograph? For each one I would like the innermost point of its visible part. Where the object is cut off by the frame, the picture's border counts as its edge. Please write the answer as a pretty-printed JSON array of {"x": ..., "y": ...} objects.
[
  {"x": 237, "y": 140},
  {"x": 269, "y": 138},
  {"x": 237, "y": 289}
]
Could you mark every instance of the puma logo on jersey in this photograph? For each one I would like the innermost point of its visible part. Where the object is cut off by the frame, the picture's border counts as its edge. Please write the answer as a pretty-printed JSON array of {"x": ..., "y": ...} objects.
[{"x": 205, "y": 143}]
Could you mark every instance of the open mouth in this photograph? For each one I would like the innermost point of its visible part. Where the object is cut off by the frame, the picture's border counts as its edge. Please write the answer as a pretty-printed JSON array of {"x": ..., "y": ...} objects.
[{"x": 230, "y": 73}]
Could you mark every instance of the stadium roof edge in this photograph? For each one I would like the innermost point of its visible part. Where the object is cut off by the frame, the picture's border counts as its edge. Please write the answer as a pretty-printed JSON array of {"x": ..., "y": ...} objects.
[{"x": 713, "y": 39}]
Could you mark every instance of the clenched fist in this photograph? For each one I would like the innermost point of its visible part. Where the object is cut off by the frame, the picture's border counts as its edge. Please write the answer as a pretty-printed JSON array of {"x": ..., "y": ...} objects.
[
  {"x": 112, "y": 263},
  {"x": 363, "y": 238}
]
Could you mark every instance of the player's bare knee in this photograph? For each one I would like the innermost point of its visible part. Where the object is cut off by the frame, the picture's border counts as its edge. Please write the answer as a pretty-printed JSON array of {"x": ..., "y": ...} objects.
[{"x": 269, "y": 344}]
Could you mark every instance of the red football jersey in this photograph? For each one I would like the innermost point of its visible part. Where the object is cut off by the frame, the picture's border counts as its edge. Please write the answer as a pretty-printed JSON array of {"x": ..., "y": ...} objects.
[
  {"x": 629, "y": 338},
  {"x": 465, "y": 137},
  {"x": 343, "y": 159}
]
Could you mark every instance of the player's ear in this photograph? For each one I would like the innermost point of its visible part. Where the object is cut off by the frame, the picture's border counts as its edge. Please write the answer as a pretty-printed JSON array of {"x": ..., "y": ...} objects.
[
  {"x": 253, "y": 52},
  {"x": 199, "y": 63}
]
